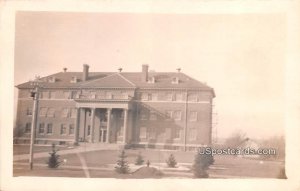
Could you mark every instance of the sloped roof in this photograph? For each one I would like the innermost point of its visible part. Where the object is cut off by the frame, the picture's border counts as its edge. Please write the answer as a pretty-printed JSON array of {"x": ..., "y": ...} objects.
[
  {"x": 122, "y": 80},
  {"x": 113, "y": 80}
]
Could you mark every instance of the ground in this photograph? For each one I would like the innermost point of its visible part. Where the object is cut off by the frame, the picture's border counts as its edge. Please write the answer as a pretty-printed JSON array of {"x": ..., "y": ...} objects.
[{"x": 100, "y": 164}]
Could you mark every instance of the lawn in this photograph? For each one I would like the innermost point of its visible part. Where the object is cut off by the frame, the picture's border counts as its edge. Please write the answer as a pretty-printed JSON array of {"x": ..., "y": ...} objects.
[
  {"x": 224, "y": 166},
  {"x": 24, "y": 149}
]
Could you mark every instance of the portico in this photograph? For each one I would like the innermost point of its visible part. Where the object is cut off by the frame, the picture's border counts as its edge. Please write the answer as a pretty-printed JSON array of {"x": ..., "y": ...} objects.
[{"x": 103, "y": 121}]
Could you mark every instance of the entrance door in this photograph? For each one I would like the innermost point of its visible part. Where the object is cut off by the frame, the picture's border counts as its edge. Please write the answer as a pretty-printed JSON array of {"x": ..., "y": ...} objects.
[{"x": 102, "y": 136}]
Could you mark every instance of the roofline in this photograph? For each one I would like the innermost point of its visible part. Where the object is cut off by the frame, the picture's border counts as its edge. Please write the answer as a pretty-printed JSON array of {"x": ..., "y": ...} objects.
[{"x": 87, "y": 82}]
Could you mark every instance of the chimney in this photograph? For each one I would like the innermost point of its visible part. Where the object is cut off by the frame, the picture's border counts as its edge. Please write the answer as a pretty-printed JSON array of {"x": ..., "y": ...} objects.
[
  {"x": 145, "y": 73},
  {"x": 85, "y": 74}
]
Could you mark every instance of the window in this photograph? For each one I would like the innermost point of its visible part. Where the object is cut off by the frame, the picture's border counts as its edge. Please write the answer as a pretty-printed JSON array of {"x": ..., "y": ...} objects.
[
  {"x": 177, "y": 115},
  {"x": 167, "y": 133},
  {"x": 73, "y": 113},
  {"x": 169, "y": 96},
  {"x": 144, "y": 115},
  {"x": 45, "y": 95},
  {"x": 192, "y": 134},
  {"x": 67, "y": 95},
  {"x": 154, "y": 96},
  {"x": 43, "y": 111},
  {"x": 92, "y": 95},
  {"x": 28, "y": 128},
  {"x": 144, "y": 97},
  {"x": 151, "y": 80},
  {"x": 177, "y": 133},
  {"x": 74, "y": 79},
  {"x": 153, "y": 116},
  {"x": 152, "y": 133},
  {"x": 108, "y": 95},
  {"x": 49, "y": 128},
  {"x": 193, "y": 97},
  {"x": 169, "y": 114},
  {"x": 193, "y": 116},
  {"x": 51, "y": 79},
  {"x": 175, "y": 80},
  {"x": 42, "y": 128},
  {"x": 51, "y": 95},
  {"x": 89, "y": 130},
  {"x": 65, "y": 112},
  {"x": 51, "y": 112},
  {"x": 143, "y": 132},
  {"x": 71, "y": 129},
  {"x": 179, "y": 97},
  {"x": 63, "y": 129},
  {"x": 29, "y": 112},
  {"x": 73, "y": 95}
]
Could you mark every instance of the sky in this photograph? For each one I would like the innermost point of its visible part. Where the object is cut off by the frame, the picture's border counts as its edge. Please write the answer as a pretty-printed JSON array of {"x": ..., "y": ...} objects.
[{"x": 241, "y": 56}]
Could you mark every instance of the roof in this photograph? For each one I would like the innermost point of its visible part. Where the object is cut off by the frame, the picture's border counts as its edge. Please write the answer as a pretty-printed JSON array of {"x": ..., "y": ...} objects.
[{"x": 120, "y": 80}]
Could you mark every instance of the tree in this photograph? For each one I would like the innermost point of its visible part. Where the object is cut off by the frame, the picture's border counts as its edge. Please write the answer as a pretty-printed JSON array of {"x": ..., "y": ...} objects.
[
  {"x": 53, "y": 161},
  {"x": 237, "y": 139},
  {"x": 171, "y": 162},
  {"x": 122, "y": 165},
  {"x": 201, "y": 164},
  {"x": 139, "y": 160}
]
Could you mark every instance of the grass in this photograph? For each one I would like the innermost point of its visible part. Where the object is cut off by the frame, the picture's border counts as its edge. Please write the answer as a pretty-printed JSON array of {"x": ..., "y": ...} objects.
[
  {"x": 224, "y": 166},
  {"x": 24, "y": 149}
]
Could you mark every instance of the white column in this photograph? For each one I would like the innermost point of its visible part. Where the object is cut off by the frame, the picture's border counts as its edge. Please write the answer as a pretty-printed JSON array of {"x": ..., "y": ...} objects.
[
  {"x": 77, "y": 122},
  {"x": 92, "y": 124},
  {"x": 108, "y": 125},
  {"x": 125, "y": 125}
]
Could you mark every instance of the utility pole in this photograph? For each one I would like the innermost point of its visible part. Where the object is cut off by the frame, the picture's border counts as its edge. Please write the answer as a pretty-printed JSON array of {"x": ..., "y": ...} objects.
[
  {"x": 186, "y": 118},
  {"x": 35, "y": 96}
]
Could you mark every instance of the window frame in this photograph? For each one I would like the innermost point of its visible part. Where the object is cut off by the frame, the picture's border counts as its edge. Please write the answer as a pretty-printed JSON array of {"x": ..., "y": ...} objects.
[
  {"x": 63, "y": 129},
  {"x": 48, "y": 127},
  {"x": 41, "y": 129}
]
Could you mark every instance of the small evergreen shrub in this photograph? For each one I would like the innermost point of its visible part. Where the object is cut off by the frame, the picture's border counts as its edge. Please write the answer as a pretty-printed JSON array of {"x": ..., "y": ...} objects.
[
  {"x": 139, "y": 160},
  {"x": 201, "y": 165},
  {"x": 171, "y": 162},
  {"x": 53, "y": 161},
  {"x": 122, "y": 165}
]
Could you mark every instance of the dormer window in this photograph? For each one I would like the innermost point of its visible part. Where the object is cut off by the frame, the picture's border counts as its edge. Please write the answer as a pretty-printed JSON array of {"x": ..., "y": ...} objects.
[
  {"x": 151, "y": 80},
  {"x": 74, "y": 79},
  {"x": 175, "y": 80},
  {"x": 52, "y": 79}
]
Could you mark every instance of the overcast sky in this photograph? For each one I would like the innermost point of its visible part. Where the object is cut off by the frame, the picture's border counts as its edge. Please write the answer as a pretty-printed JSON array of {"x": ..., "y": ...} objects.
[{"x": 241, "y": 56}]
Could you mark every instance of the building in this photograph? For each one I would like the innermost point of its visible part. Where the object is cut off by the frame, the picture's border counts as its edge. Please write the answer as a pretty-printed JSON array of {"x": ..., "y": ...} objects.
[{"x": 154, "y": 109}]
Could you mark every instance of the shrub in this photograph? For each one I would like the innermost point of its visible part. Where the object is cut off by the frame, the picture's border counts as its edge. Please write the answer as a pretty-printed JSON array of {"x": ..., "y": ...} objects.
[
  {"x": 139, "y": 160},
  {"x": 122, "y": 165},
  {"x": 171, "y": 162},
  {"x": 53, "y": 161},
  {"x": 201, "y": 164}
]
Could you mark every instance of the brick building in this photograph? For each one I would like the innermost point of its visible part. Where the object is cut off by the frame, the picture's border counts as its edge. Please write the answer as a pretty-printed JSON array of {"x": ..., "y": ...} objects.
[{"x": 155, "y": 109}]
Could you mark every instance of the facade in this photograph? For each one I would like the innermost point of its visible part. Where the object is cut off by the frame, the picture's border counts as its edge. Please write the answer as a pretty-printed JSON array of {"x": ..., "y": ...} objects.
[{"x": 154, "y": 109}]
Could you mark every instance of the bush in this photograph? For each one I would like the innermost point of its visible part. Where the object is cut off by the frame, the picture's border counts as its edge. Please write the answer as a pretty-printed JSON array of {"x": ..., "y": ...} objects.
[
  {"x": 201, "y": 164},
  {"x": 139, "y": 160},
  {"x": 171, "y": 162},
  {"x": 122, "y": 165},
  {"x": 53, "y": 161}
]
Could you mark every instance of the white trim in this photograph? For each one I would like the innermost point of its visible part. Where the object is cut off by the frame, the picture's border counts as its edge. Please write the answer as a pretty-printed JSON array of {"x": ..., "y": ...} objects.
[{"x": 199, "y": 102}]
